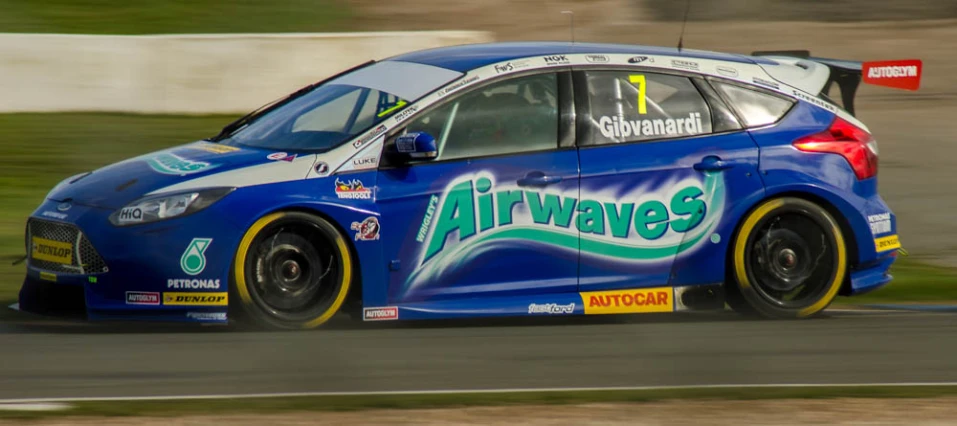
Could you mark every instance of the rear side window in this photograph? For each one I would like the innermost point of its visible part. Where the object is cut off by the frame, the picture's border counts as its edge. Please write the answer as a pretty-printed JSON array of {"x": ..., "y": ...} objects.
[
  {"x": 755, "y": 108},
  {"x": 637, "y": 106}
]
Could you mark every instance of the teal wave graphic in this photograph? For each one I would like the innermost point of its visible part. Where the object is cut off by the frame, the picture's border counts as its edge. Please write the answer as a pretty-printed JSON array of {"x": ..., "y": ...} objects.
[{"x": 435, "y": 267}]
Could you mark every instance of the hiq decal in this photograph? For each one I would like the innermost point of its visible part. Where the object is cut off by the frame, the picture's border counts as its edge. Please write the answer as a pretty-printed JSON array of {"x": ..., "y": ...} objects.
[{"x": 641, "y": 224}]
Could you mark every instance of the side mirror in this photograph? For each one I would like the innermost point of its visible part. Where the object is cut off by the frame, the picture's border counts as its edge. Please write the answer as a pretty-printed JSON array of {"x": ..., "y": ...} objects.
[{"x": 417, "y": 145}]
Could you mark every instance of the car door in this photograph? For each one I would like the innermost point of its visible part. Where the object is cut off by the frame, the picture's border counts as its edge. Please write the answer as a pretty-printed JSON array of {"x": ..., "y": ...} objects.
[
  {"x": 669, "y": 164},
  {"x": 473, "y": 222}
]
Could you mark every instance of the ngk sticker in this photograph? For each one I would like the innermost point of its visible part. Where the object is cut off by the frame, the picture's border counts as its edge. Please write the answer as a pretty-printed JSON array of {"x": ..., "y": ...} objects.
[{"x": 903, "y": 74}]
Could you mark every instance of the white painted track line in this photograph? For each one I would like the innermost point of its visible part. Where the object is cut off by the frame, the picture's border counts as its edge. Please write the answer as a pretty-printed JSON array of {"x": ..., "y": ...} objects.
[{"x": 465, "y": 391}]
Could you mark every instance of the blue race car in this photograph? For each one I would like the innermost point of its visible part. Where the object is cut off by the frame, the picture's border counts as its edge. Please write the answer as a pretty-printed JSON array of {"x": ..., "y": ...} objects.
[{"x": 491, "y": 180}]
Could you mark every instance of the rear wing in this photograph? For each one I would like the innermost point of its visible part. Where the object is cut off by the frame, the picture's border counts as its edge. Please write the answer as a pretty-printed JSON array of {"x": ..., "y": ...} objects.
[{"x": 848, "y": 75}]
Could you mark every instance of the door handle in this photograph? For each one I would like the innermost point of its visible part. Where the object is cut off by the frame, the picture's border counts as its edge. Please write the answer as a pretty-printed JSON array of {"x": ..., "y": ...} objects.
[
  {"x": 713, "y": 163},
  {"x": 538, "y": 179}
]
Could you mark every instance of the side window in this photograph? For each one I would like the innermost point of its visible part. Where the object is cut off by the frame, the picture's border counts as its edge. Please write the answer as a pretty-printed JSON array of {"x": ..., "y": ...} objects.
[
  {"x": 512, "y": 116},
  {"x": 755, "y": 108},
  {"x": 628, "y": 106}
]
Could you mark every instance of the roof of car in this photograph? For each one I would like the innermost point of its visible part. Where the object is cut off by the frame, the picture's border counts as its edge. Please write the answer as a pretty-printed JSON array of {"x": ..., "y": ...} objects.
[{"x": 467, "y": 57}]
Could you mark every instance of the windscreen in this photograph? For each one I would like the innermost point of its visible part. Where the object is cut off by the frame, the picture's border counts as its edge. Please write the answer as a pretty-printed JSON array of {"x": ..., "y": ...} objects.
[{"x": 342, "y": 108}]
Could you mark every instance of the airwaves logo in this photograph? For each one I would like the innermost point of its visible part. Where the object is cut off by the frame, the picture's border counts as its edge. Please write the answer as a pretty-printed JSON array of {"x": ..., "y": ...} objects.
[
  {"x": 619, "y": 223},
  {"x": 193, "y": 260},
  {"x": 172, "y": 164}
]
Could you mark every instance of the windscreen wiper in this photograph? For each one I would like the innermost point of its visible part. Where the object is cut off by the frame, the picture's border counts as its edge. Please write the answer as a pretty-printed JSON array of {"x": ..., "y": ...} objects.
[{"x": 248, "y": 118}]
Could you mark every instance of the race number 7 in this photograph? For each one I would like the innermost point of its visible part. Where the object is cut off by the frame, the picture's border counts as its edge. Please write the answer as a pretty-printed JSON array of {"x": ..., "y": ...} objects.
[{"x": 639, "y": 82}]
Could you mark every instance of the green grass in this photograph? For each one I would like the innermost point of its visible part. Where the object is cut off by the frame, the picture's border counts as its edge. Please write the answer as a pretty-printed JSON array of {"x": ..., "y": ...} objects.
[
  {"x": 913, "y": 282},
  {"x": 39, "y": 150},
  {"x": 352, "y": 403},
  {"x": 173, "y": 16}
]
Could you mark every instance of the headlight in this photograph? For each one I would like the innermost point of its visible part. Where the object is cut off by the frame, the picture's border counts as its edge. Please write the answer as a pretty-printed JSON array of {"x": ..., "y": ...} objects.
[{"x": 162, "y": 207}]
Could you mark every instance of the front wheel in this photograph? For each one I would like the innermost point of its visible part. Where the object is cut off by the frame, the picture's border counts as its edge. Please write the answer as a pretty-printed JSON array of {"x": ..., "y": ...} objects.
[
  {"x": 789, "y": 260},
  {"x": 292, "y": 271}
]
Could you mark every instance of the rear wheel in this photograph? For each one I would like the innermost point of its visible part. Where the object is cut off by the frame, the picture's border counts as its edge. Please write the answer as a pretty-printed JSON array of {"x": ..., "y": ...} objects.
[
  {"x": 789, "y": 260},
  {"x": 292, "y": 271}
]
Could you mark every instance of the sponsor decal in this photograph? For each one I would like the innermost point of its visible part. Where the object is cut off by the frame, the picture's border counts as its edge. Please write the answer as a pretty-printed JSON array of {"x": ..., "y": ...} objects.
[
  {"x": 369, "y": 137},
  {"x": 367, "y": 230},
  {"x": 381, "y": 314},
  {"x": 511, "y": 66},
  {"x": 51, "y": 251},
  {"x": 130, "y": 215},
  {"x": 727, "y": 71},
  {"x": 168, "y": 163},
  {"x": 633, "y": 301},
  {"x": 47, "y": 276},
  {"x": 91, "y": 279},
  {"x": 366, "y": 162},
  {"x": 551, "y": 308},
  {"x": 458, "y": 85},
  {"x": 195, "y": 299},
  {"x": 640, "y": 59},
  {"x": 281, "y": 156},
  {"x": 897, "y": 74},
  {"x": 64, "y": 206},
  {"x": 215, "y": 148},
  {"x": 685, "y": 65},
  {"x": 193, "y": 284},
  {"x": 646, "y": 223},
  {"x": 406, "y": 113},
  {"x": 427, "y": 219},
  {"x": 814, "y": 100},
  {"x": 619, "y": 128},
  {"x": 321, "y": 168},
  {"x": 880, "y": 223},
  {"x": 352, "y": 190},
  {"x": 395, "y": 107},
  {"x": 54, "y": 215},
  {"x": 556, "y": 60},
  {"x": 597, "y": 59},
  {"x": 207, "y": 316},
  {"x": 767, "y": 83},
  {"x": 193, "y": 261},
  {"x": 887, "y": 243},
  {"x": 142, "y": 298}
]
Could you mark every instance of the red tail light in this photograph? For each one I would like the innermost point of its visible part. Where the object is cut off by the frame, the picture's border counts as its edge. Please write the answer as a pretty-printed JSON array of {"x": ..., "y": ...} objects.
[{"x": 847, "y": 140}]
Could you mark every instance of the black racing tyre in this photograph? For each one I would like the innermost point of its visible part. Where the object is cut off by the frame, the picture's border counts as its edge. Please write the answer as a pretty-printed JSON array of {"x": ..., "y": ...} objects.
[
  {"x": 292, "y": 270},
  {"x": 789, "y": 260}
]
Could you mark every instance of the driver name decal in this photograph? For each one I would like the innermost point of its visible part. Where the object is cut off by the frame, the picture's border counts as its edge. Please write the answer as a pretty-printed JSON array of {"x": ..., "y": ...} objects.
[{"x": 617, "y": 127}]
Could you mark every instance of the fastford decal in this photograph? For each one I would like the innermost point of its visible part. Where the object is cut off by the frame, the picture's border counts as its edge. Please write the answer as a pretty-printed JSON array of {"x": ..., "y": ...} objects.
[{"x": 643, "y": 224}]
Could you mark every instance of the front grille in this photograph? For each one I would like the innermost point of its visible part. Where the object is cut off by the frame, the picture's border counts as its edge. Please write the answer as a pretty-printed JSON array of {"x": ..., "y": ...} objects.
[{"x": 85, "y": 259}]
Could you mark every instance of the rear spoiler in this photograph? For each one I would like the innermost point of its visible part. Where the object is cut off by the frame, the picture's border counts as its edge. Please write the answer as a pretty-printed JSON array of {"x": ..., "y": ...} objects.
[{"x": 848, "y": 74}]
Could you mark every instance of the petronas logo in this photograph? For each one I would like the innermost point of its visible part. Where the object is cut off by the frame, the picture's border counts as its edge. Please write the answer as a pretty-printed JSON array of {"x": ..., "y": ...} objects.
[{"x": 194, "y": 259}]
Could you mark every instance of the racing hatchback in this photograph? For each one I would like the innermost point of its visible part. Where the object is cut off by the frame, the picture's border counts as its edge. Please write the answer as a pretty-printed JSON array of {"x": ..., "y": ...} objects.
[{"x": 503, "y": 179}]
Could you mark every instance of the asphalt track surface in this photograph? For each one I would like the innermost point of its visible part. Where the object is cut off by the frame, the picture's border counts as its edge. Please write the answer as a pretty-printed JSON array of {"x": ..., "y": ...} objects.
[{"x": 50, "y": 359}]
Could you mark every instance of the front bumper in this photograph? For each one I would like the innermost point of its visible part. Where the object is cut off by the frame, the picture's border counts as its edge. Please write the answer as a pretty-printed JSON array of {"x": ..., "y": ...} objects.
[{"x": 80, "y": 265}]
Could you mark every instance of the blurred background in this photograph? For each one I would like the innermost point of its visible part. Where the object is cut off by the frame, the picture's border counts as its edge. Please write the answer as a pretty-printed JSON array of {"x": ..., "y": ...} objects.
[{"x": 70, "y": 104}]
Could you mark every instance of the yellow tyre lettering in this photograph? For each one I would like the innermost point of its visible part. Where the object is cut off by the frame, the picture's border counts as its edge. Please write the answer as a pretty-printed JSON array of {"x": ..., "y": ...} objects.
[
  {"x": 836, "y": 281},
  {"x": 239, "y": 270},
  {"x": 742, "y": 241},
  {"x": 639, "y": 81},
  {"x": 239, "y": 266}
]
